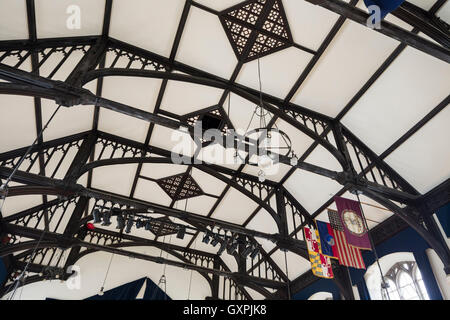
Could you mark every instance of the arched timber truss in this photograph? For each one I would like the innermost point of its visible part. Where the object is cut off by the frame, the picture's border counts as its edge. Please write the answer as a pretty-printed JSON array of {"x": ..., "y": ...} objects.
[{"x": 362, "y": 170}]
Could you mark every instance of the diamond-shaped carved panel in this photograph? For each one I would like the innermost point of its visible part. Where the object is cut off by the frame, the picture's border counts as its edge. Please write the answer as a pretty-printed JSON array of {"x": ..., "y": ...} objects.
[
  {"x": 179, "y": 187},
  {"x": 162, "y": 227},
  {"x": 257, "y": 28}
]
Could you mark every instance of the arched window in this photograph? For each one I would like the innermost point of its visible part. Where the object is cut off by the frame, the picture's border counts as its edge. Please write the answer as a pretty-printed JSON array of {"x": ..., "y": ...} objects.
[
  {"x": 322, "y": 295},
  {"x": 404, "y": 282}
]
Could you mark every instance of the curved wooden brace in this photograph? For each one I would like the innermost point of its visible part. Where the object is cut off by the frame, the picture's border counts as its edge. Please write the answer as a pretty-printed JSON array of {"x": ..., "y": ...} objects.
[
  {"x": 413, "y": 223},
  {"x": 26, "y": 245},
  {"x": 92, "y": 75},
  {"x": 134, "y": 244},
  {"x": 204, "y": 168}
]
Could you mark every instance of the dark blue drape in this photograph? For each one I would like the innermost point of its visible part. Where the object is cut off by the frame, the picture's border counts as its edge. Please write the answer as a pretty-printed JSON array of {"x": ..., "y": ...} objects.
[
  {"x": 325, "y": 285},
  {"x": 153, "y": 292},
  {"x": 386, "y": 6},
  {"x": 127, "y": 291},
  {"x": 2, "y": 272},
  {"x": 443, "y": 215},
  {"x": 130, "y": 291}
]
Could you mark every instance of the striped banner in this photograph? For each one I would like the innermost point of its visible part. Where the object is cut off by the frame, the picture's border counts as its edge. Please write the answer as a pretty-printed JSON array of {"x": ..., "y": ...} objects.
[{"x": 348, "y": 256}]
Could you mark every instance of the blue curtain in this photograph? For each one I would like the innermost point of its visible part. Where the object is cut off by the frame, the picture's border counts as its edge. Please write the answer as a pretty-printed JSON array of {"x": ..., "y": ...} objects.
[
  {"x": 386, "y": 6},
  {"x": 153, "y": 292},
  {"x": 325, "y": 285},
  {"x": 127, "y": 291},
  {"x": 130, "y": 291},
  {"x": 443, "y": 215},
  {"x": 2, "y": 272}
]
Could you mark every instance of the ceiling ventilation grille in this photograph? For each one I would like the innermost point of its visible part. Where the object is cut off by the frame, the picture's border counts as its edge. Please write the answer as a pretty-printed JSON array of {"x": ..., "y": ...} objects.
[
  {"x": 257, "y": 28},
  {"x": 162, "y": 227},
  {"x": 180, "y": 186}
]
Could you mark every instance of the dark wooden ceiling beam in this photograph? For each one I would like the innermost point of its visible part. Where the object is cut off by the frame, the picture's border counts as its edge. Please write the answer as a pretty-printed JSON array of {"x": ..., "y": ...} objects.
[{"x": 359, "y": 16}]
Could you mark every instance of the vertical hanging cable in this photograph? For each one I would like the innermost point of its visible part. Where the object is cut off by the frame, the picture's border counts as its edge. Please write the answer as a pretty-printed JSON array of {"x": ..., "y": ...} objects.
[
  {"x": 5, "y": 185},
  {"x": 106, "y": 275},
  {"x": 4, "y": 188},
  {"x": 373, "y": 248},
  {"x": 229, "y": 103},
  {"x": 21, "y": 277}
]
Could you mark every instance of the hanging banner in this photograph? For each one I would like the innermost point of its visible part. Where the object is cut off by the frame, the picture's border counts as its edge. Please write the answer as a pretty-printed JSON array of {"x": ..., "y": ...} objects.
[
  {"x": 348, "y": 256},
  {"x": 351, "y": 218},
  {"x": 320, "y": 264}
]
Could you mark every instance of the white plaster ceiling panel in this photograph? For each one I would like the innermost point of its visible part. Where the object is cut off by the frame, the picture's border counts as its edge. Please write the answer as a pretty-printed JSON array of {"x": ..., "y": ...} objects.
[
  {"x": 161, "y": 170},
  {"x": 52, "y": 62},
  {"x": 149, "y": 24},
  {"x": 254, "y": 294},
  {"x": 444, "y": 12},
  {"x": 182, "y": 97},
  {"x": 59, "y": 18},
  {"x": 323, "y": 158},
  {"x": 200, "y": 204},
  {"x": 350, "y": 60},
  {"x": 135, "y": 92},
  {"x": 172, "y": 140},
  {"x": 309, "y": 24},
  {"x": 67, "y": 121},
  {"x": 61, "y": 168},
  {"x": 151, "y": 192},
  {"x": 216, "y": 154},
  {"x": 263, "y": 222},
  {"x": 424, "y": 4},
  {"x": 207, "y": 182},
  {"x": 18, "y": 128},
  {"x": 297, "y": 265},
  {"x": 178, "y": 242},
  {"x": 240, "y": 112},
  {"x": 235, "y": 207},
  {"x": 13, "y": 20},
  {"x": 219, "y": 5},
  {"x": 428, "y": 148},
  {"x": 275, "y": 173},
  {"x": 311, "y": 189},
  {"x": 229, "y": 260},
  {"x": 13, "y": 61},
  {"x": 116, "y": 179},
  {"x": 413, "y": 85},
  {"x": 122, "y": 125},
  {"x": 277, "y": 76},
  {"x": 199, "y": 245},
  {"x": 14, "y": 205},
  {"x": 204, "y": 44},
  {"x": 300, "y": 141},
  {"x": 83, "y": 180}
]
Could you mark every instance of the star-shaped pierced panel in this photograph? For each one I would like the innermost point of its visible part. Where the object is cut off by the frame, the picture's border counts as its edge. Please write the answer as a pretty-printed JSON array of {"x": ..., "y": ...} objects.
[
  {"x": 161, "y": 227},
  {"x": 180, "y": 186},
  {"x": 256, "y": 28}
]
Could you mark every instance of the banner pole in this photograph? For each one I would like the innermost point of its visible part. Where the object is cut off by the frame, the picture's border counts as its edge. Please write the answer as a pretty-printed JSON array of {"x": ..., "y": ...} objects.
[{"x": 372, "y": 244}]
